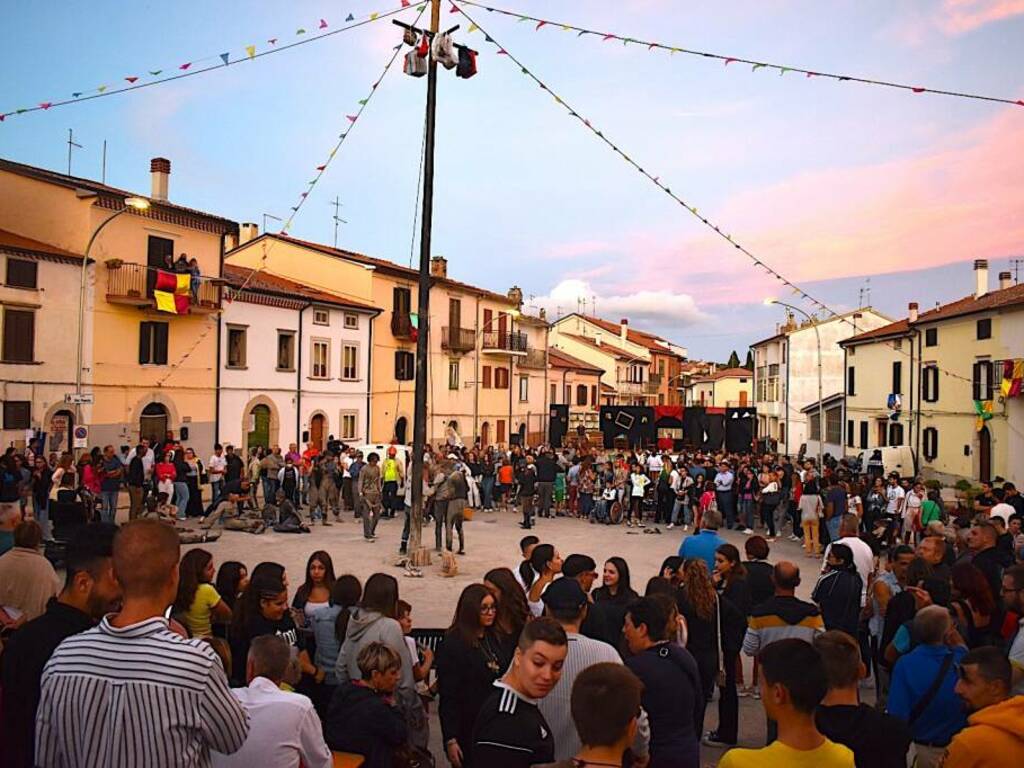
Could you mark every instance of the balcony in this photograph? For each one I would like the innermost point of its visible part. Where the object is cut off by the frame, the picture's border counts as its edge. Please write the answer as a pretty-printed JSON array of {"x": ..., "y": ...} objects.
[
  {"x": 132, "y": 285},
  {"x": 637, "y": 388},
  {"x": 504, "y": 343},
  {"x": 535, "y": 358},
  {"x": 401, "y": 326},
  {"x": 458, "y": 339}
]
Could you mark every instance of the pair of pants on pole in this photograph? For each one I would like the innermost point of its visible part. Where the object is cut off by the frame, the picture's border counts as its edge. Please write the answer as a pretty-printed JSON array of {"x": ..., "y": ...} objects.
[
  {"x": 440, "y": 516},
  {"x": 135, "y": 501},
  {"x": 371, "y": 514},
  {"x": 453, "y": 519},
  {"x": 545, "y": 495},
  {"x": 527, "y": 505}
]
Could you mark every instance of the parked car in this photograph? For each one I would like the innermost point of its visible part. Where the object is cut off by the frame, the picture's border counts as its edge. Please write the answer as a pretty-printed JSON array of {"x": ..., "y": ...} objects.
[{"x": 892, "y": 458}]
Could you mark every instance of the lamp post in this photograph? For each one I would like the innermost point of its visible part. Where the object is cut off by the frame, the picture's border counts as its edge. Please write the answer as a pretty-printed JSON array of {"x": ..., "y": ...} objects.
[
  {"x": 821, "y": 406},
  {"x": 130, "y": 204}
]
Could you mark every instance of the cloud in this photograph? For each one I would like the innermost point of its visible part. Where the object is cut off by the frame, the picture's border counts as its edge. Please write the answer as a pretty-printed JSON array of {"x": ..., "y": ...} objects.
[
  {"x": 659, "y": 307},
  {"x": 577, "y": 249},
  {"x": 961, "y": 16}
]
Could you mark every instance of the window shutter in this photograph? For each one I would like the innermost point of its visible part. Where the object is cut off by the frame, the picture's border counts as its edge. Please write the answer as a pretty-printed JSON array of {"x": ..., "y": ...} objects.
[
  {"x": 897, "y": 377},
  {"x": 19, "y": 335},
  {"x": 989, "y": 379},
  {"x": 145, "y": 334},
  {"x": 849, "y": 433},
  {"x": 21, "y": 273},
  {"x": 863, "y": 434},
  {"x": 160, "y": 345},
  {"x": 851, "y": 381},
  {"x": 487, "y": 377},
  {"x": 976, "y": 382}
]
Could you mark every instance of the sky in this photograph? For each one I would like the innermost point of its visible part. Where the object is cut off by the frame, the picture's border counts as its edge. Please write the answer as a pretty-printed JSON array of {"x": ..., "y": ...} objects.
[{"x": 830, "y": 183}]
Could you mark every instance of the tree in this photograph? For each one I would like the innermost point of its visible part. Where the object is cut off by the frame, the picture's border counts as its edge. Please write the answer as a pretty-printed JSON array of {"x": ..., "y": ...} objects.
[
  {"x": 749, "y": 365},
  {"x": 734, "y": 360}
]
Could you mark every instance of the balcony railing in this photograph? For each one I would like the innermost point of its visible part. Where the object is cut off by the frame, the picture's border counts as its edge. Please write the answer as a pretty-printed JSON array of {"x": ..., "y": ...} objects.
[
  {"x": 504, "y": 342},
  {"x": 401, "y": 325},
  {"x": 458, "y": 339},
  {"x": 535, "y": 358},
  {"x": 133, "y": 284}
]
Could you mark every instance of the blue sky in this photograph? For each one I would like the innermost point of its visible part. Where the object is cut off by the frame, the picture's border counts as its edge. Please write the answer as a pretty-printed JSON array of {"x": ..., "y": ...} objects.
[{"x": 826, "y": 181}]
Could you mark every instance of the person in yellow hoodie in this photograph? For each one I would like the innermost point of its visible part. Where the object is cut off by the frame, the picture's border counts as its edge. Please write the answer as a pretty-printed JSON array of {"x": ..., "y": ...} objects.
[{"x": 993, "y": 737}]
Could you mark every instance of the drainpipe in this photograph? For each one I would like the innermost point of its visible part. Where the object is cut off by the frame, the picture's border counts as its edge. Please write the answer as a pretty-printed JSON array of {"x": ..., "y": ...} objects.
[
  {"x": 917, "y": 401},
  {"x": 477, "y": 346},
  {"x": 785, "y": 412},
  {"x": 547, "y": 415},
  {"x": 298, "y": 379},
  {"x": 369, "y": 374},
  {"x": 220, "y": 317}
]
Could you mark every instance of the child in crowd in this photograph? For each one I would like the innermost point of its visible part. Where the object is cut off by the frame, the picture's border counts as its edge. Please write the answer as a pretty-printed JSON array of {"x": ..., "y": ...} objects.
[
  {"x": 560, "y": 493},
  {"x": 422, "y": 659}
]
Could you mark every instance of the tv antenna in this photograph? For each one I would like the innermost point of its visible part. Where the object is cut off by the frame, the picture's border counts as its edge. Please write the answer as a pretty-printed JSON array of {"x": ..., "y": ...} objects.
[
  {"x": 72, "y": 144},
  {"x": 337, "y": 218},
  {"x": 269, "y": 216}
]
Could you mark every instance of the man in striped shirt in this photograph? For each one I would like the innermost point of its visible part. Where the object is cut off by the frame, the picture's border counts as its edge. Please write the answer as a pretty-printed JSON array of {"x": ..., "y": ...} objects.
[{"x": 130, "y": 692}]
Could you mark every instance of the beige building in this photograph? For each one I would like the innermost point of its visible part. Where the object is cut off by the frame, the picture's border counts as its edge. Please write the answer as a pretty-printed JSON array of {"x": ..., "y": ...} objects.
[
  {"x": 487, "y": 372},
  {"x": 147, "y": 371},
  {"x": 728, "y": 388},
  {"x": 577, "y": 384}
]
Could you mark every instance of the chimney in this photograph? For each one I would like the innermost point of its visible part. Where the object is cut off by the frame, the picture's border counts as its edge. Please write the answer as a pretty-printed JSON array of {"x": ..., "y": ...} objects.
[
  {"x": 160, "y": 174},
  {"x": 438, "y": 266},
  {"x": 1005, "y": 280},
  {"x": 230, "y": 241},
  {"x": 515, "y": 295},
  {"x": 912, "y": 312},
  {"x": 980, "y": 277},
  {"x": 543, "y": 314},
  {"x": 597, "y": 338},
  {"x": 623, "y": 328},
  {"x": 247, "y": 231}
]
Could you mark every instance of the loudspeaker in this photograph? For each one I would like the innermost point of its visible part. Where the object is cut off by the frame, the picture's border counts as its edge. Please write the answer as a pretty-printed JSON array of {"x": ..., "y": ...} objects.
[{"x": 183, "y": 434}]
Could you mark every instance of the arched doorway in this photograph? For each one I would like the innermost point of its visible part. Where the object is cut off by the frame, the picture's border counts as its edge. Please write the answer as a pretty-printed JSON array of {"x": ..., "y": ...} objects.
[
  {"x": 61, "y": 424},
  {"x": 522, "y": 435},
  {"x": 153, "y": 423},
  {"x": 485, "y": 434},
  {"x": 985, "y": 455},
  {"x": 259, "y": 427},
  {"x": 401, "y": 426},
  {"x": 317, "y": 427}
]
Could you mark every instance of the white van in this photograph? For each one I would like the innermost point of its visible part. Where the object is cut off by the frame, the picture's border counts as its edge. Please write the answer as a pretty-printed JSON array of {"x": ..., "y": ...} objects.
[
  {"x": 401, "y": 451},
  {"x": 895, "y": 458}
]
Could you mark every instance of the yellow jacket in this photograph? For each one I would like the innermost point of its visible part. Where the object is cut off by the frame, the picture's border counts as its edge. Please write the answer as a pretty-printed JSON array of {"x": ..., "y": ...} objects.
[{"x": 993, "y": 738}]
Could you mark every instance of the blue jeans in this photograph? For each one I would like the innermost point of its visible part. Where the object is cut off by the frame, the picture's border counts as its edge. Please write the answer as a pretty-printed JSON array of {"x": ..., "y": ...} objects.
[
  {"x": 215, "y": 486},
  {"x": 108, "y": 510},
  {"x": 586, "y": 502},
  {"x": 747, "y": 512},
  {"x": 681, "y": 505},
  {"x": 832, "y": 524},
  {"x": 487, "y": 489},
  {"x": 727, "y": 506},
  {"x": 181, "y": 498},
  {"x": 269, "y": 490},
  {"x": 41, "y": 509}
]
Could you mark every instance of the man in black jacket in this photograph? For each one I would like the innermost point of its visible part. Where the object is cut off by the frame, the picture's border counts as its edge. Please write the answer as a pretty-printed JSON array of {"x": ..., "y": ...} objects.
[
  {"x": 547, "y": 470},
  {"x": 136, "y": 482}
]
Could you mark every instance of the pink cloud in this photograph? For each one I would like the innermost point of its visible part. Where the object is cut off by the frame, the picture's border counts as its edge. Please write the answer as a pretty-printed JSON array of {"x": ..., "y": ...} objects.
[
  {"x": 577, "y": 248},
  {"x": 960, "y": 16}
]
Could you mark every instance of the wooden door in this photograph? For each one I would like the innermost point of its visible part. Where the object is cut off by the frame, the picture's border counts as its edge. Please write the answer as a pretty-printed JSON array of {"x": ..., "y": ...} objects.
[
  {"x": 485, "y": 434},
  {"x": 259, "y": 421},
  {"x": 743, "y": 398},
  {"x": 316, "y": 431}
]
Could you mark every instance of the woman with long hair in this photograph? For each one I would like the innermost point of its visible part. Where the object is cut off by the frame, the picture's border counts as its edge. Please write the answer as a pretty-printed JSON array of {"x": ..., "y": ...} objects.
[
  {"x": 615, "y": 594},
  {"x": 198, "y": 603},
  {"x": 468, "y": 662},
  {"x": 974, "y": 606},
  {"x": 328, "y": 627},
  {"x": 192, "y": 479},
  {"x": 164, "y": 473},
  {"x": 232, "y": 579},
  {"x": 698, "y": 604},
  {"x": 547, "y": 564},
  {"x": 513, "y": 610},
  {"x": 315, "y": 592}
]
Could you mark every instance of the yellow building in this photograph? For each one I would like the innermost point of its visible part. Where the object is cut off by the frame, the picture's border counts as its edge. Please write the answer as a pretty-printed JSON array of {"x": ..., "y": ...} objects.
[
  {"x": 487, "y": 372},
  {"x": 147, "y": 371},
  {"x": 728, "y": 388}
]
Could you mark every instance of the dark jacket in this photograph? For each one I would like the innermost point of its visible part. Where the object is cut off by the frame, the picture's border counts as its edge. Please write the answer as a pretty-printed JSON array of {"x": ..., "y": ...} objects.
[
  {"x": 838, "y": 594},
  {"x": 360, "y": 720},
  {"x": 759, "y": 579},
  {"x": 674, "y": 704},
  {"x": 465, "y": 678},
  {"x": 877, "y": 740},
  {"x": 547, "y": 469}
]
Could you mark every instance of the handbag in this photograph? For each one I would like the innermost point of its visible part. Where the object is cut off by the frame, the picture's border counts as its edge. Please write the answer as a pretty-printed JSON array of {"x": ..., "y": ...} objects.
[{"x": 720, "y": 674}]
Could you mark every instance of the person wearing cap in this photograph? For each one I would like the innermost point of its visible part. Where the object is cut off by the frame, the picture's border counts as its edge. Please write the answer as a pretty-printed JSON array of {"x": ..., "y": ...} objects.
[
  {"x": 567, "y": 603},
  {"x": 392, "y": 474},
  {"x": 583, "y": 570}
]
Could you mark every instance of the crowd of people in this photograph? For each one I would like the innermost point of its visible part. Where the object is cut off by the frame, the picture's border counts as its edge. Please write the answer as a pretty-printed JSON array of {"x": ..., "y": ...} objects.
[{"x": 143, "y": 656}]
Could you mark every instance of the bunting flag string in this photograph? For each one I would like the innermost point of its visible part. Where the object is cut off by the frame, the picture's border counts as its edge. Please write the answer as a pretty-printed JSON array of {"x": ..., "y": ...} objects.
[
  {"x": 352, "y": 121},
  {"x": 691, "y": 209},
  {"x": 727, "y": 59},
  {"x": 198, "y": 66}
]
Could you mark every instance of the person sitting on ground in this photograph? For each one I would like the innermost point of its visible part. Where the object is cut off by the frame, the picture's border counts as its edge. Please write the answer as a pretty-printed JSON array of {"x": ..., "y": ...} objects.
[
  {"x": 793, "y": 684},
  {"x": 288, "y": 518},
  {"x": 284, "y": 730},
  {"x": 363, "y": 717},
  {"x": 877, "y": 740},
  {"x": 230, "y": 505},
  {"x": 604, "y": 703},
  {"x": 993, "y": 735}
]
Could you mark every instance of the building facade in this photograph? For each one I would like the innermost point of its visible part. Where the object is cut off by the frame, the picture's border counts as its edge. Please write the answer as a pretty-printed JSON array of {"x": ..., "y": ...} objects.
[
  {"x": 294, "y": 364},
  {"x": 575, "y": 383},
  {"x": 728, "y": 388}
]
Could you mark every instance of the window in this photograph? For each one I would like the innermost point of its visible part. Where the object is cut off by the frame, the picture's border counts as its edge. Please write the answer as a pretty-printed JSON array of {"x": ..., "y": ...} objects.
[
  {"x": 319, "y": 358},
  {"x": 661, "y": 367},
  {"x": 453, "y": 374},
  {"x": 349, "y": 422},
  {"x": 851, "y": 381},
  {"x": 524, "y": 388},
  {"x": 554, "y": 394},
  {"x": 501, "y": 430},
  {"x": 286, "y": 350},
  {"x": 568, "y": 395},
  {"x": 851, "y": 351},
  {"x": 581, "y": 394},
  {"x": 930, "y": 384},
  {"x": 985, "y": 328},
  {"x": 834, "y": 426},
  {"x": 814, "y": 426},
  {"x": 21, "y": 273},
  {"x": 931, "y": 337},
  {"x": 153, "y": 343},
  {"x": 350, "y": 362},
  {"x": 454, "y": 313},
  {"x": 593, "y": 395},
  {"x": 351, "y": 320},
  {"x": 321, "y": 317},
  {"x": 17, "y": 414},
  {"x": 401, "y": 301},
  {"x": 981, "y": 380},
  {"x": 930, "y": 443},
  {"x": 501, "y": 378},
  {"x": 782, "y": 429},
  {"x": 849, "y": 433},
  {"x": 236, "y": 347},
  {"x": 895, "y": 434},
  {"x": 19, "y": 336},
  {"x": 863, "y": 435},
  {"x": 486, "y": 377},
  {"x": 405, "y": 366},
  {"x": 897, "y": 377}
]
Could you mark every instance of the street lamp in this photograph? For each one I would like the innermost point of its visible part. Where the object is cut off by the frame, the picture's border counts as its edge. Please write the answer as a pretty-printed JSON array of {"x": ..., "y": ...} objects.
[
  {"x": 821, "y": 407},
  {"x": 130, "y": 204}
]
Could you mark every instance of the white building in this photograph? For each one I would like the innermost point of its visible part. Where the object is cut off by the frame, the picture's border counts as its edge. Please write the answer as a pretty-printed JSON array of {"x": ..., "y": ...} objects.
[
  {"x": 294, "y": 364},
  {"x": 38, "y": 321},
  {"x": 786, "y": 372}
]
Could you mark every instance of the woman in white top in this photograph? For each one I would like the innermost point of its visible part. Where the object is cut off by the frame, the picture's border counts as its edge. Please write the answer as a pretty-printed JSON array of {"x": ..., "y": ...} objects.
[{"x": 639, "y": 482}]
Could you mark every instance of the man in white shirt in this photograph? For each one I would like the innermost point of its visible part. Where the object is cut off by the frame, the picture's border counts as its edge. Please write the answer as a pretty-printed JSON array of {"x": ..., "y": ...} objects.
[
  {"x": 216, "y": 467},
  {"x": 1001, "y": 509},
  {"x": 284, "y": 730},
  {"x": 148, "y": 458},
  {"x": 863, "y": 557},
  {"x": 895, "y": 496}
]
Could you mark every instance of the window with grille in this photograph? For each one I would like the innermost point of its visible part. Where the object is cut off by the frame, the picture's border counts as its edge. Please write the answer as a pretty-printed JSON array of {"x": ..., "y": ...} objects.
[
  {"x": 19, "y": 335},
  {"x": 286, "y": 350},
  {"x": 236, "y": 347},
  {"x": 21, "y": 273},
  {"x": 453, "y": 374},
  {"x": 351, "y": 321},
  {"x": 349, "y": 425},
  {"x": 319, "y": 359},
  {"x": 930, "y": 384},
  {"x": 349, "y": 362},
  {"x": 930, "y": 443},
  {"x": 17, "y": 414},
  {"x": 834, "y": 426},
  {"x": 405, "y": 366}
]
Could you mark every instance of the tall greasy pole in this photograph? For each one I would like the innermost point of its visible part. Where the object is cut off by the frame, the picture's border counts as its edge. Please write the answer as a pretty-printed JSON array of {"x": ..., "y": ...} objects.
[{"x": 418, "y": 555}]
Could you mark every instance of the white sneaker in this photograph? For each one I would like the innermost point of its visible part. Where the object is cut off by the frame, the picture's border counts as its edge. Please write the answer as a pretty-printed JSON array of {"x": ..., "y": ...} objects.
[
  {"x": 747, "y": 531},
  {"x": 686, "y": 528}
]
